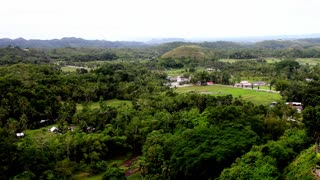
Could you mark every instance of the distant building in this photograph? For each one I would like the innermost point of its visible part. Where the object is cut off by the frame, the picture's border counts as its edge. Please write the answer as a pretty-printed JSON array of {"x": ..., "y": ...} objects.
[
  {"x": 309, "y": 79},
  {"x": 243, "y": 84},
  {"x": 213, "y": 70},
  {"x": 210, "y": 83},
  {"x": 259, "y": 83},
  {"x": 43, "y": 121},
  {"x": 296, "y": 105},
  {"x": 54, "y": 129},
  {"x": 171, "y": 79},
  {"x": 273, "y": 104},
  {"x": 182, "y": 80},
  {"x": 20, "y": 134}
]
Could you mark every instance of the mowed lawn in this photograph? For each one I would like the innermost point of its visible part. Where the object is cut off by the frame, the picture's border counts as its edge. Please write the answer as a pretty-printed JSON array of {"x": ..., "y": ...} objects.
[{"x": 255, "y": 96}]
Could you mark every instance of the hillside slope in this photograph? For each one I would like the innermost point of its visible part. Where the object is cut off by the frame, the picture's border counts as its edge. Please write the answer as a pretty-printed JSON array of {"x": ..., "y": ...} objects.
[
  {"x": 187, "y": 51},
  {"x": 301, "y": 167}
]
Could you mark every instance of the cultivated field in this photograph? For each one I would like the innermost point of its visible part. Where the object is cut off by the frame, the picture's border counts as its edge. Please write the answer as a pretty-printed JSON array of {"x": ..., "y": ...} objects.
[{"x": 255, "y": 96}]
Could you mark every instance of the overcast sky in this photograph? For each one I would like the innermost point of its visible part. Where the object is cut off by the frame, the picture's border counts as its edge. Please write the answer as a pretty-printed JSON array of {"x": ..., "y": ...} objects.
[{"x": 143, "y": 19}]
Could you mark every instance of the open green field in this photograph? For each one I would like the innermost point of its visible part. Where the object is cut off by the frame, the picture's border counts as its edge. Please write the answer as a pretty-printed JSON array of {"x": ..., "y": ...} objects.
[
  {"x": 255, "y": 96},
  {"x": 175, "y": 72},
  {"x": 310, "y": 61},
  {"x": 272, "y": 60},
  {"x": 112, "y": 103},
  {"x": 43, "y": 132},
  {"x": 231, "y": 60},
  {"x": 303, "y": 61},
  {"x": 68, "y": 69},
  {"x": 71, "y": 68},
  {"x": 269, "y": 60}
]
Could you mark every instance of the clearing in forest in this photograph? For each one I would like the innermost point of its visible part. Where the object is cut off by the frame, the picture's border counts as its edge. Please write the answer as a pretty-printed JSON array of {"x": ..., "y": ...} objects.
[{"x": 255, "y": 96}]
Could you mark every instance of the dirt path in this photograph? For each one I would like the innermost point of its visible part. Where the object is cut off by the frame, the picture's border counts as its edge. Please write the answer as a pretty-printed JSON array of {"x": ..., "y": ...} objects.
[{"x": 128, "y": 163}]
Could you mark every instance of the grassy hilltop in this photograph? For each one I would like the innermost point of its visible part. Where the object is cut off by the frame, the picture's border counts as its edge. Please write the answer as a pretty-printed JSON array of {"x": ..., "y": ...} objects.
[{"x": 187, "y": 51}]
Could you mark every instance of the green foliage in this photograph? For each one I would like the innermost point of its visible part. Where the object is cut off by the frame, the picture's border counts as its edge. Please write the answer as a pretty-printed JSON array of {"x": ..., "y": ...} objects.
[
  {"x": 180, "y": 135},
  {"x": 193, "y": 152},
  {"x": 9, "y": 155},
  {"x": 268, "y": 161},
  {"x": 114, "y": 173},
  {"x": 311, "y": 94},
  {"x": 26, "y": 175},
  {"x": 301, "y": 167},
  {"x": 64, "y": 168},
  {"x": 311, "y": 119}
]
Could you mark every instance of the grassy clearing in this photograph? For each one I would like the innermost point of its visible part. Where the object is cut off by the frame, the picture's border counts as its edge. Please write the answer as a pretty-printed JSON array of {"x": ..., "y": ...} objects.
[
  {"x": 255, "y": 96},
  {"x": 302, "y": 61},
  {"x": 175, "y": 72},
  {"x": 231, "y": 60},
  {"x": 272, "y": 60},
  {"x": 68, "y": 69},
  {"x": 71, "y": 68},
  {"x": 180, "y": 71},
  {"x": 44, "y": 131},
  {"x": 112, "y": 103},
  {"x": 310, "y": 61},
  {"x": 269, "y": 60},
  {"x": 265, "y": 88},
  {"x": 119, "y": 161}
]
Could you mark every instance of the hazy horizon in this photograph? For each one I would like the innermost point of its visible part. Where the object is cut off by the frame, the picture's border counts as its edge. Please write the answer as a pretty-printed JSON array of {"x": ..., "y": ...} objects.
[{"x": 143, "y": 20}]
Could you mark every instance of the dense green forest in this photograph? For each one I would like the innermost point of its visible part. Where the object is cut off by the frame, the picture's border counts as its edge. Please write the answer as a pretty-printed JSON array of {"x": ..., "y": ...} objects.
[{"x": 72, "y": 127}]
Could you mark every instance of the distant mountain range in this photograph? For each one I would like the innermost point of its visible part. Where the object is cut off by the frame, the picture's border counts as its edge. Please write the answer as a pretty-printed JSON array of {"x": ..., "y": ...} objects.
[
  {"x": 68, "y": 42},
  {"x": 253, "y": 39},
  {"x": 79, "y": 42},
  {"x": 165, "y": 40}
]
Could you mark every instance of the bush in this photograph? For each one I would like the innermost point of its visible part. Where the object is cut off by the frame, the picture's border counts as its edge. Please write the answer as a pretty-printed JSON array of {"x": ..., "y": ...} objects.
[{"x": 114, "y": 173}]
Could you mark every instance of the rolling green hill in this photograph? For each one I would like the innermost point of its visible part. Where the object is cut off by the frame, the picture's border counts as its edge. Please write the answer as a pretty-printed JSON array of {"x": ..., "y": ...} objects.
[{"x": 187, "y": 51}]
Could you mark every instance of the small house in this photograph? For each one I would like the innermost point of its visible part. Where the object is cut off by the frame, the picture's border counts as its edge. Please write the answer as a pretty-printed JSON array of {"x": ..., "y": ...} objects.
[
  {"x": 20, "y": 134},
  {"x": 296, "y": 105},
  {"x": 210, "y": 83},
  {"x": 54, "y": 129},
  {"x": 273, "y": 104},
  {"x": 259, "y": 83},
  {"x": 43, "y": 121},
  {"x": 243, "y": 84},
  {"x": 182, "y": 80}
]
